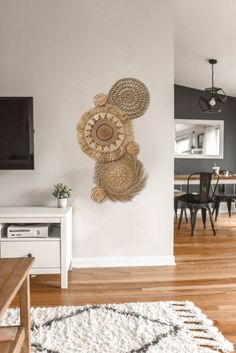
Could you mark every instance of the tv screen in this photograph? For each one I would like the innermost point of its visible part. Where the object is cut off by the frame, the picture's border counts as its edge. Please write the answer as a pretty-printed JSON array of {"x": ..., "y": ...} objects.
[{"x": 16, "y": 133}]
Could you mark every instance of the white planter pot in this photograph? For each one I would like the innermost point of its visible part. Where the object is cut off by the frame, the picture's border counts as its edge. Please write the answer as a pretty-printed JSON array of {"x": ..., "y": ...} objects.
[{"x": 61, "y": 203}]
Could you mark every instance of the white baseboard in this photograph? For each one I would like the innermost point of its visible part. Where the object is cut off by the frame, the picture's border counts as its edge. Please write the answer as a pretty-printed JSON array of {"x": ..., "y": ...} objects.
[{"x": 93, "y": 262}]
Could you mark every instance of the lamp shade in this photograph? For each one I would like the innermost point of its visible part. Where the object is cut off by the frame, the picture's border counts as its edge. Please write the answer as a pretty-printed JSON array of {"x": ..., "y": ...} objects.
[{"x": 213, "y": 98}]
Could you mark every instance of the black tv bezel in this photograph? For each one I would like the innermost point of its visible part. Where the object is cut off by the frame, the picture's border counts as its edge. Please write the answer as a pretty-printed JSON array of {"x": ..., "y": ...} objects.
[{"x": 22, "y": 164}]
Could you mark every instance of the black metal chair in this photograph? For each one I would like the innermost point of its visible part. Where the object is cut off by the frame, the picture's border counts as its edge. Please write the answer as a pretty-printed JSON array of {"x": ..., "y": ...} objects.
[
  {"x": 199, "y": 201},
  {"x": 223, "y": 196},
  {"x": 177, "y": 194}
]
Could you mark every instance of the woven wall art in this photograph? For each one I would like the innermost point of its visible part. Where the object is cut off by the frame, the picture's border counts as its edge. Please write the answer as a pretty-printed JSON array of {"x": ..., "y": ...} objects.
[
  {"x": 105, "y": 133},
  {"x": 130, "y": 95},
  {"x": 122, "y": 179}
]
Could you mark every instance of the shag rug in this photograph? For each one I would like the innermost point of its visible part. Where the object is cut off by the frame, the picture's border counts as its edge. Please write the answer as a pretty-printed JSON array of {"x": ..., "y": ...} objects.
[{"x": 160, "y": 327}]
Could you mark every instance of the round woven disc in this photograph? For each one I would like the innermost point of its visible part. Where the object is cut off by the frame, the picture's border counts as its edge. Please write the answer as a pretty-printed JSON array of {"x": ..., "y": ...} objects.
[
  {"x": 130, "y": 95},
  {"x": 122, "y": 179},
  {"x": 98, "y": 194},
  {"x": 133, "y": 148},
  {"x": 100, "y": 99},
  {"x": 104, "y": 132}
]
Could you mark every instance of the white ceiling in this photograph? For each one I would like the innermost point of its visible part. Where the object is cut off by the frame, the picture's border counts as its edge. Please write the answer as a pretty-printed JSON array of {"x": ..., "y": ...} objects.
[{"x": 205, "y": 29}]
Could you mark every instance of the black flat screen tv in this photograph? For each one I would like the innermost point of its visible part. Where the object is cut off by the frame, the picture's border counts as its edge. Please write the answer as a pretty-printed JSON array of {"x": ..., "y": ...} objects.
[{"x": 16, "y": 133}]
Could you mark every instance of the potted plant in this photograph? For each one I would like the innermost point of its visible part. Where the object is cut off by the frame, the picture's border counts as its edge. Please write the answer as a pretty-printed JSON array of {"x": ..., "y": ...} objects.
[{"x": 62, "y": 192}]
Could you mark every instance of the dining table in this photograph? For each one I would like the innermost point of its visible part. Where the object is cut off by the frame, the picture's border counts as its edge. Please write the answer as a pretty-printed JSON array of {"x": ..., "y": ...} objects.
[{"x": 224, "y": 179}]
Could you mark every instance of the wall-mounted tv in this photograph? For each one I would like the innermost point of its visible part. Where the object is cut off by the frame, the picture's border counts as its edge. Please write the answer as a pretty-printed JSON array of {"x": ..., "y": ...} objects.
[{"x": 16, "y": 133}]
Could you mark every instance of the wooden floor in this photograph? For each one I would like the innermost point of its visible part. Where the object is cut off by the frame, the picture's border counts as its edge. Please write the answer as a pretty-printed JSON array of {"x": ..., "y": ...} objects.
[{"x": 205, "y": 274}]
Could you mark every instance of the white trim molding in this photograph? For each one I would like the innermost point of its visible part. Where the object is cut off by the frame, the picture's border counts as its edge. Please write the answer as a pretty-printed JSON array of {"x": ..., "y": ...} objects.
[{"x": 94, "y": 262}]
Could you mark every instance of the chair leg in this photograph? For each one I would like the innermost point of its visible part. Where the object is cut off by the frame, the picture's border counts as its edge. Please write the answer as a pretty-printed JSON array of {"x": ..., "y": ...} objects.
[
  {"x": 193, "y": 212},
  {"x": 185, "y": 215},
  {"x": 229, "y": 206},
  {"x": 181, "y": 216},
  {"x": 217, "y": 207},
  {"x": 176, "y": 206},
  {"x": 214, "y": 206},
  {"x": 211, "y": 219},
  {"x": 204, "y": 217}
]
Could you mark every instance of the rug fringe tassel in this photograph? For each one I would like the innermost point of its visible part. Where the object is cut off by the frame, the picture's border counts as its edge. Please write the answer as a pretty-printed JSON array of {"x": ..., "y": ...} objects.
[{"x": 208, "y": 337}]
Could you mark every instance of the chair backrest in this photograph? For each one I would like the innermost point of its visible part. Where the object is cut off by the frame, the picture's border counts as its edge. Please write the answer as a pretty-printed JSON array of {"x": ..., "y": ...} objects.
[{"x": 205, "y": 191}]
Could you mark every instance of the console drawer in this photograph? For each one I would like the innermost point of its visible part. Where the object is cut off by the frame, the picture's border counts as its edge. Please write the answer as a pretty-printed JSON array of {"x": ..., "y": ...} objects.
[{"x": 46, "y": 253}]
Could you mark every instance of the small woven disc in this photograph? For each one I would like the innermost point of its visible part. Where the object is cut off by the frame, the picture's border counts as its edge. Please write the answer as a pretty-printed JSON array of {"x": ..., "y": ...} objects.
[
  {"x": 130, "y": 95},
  {"x": 100, "y": 99},
  {"x": 98, "y": 194},
  {"x": 133, "y": 148}
]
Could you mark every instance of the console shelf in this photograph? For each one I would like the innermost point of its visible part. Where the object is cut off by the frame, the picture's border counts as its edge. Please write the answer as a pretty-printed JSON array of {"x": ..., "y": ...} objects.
[{"x": 54, "y": 253}]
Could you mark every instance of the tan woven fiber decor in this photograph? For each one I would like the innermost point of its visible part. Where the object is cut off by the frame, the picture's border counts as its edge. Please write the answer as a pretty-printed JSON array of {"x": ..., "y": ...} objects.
[
  {"x": 98, "y": 194},
  {"x": 100, "y": 99},
  {"x": 122, "y": 179},
  {"x": 130, "y": 95},
  {"x": 133, "y": 148},
  {"x": 104, "y": 132}
]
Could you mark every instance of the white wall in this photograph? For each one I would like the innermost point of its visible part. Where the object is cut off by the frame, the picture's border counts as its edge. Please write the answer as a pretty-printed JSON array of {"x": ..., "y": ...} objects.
[{"x": 62, "y": 53}]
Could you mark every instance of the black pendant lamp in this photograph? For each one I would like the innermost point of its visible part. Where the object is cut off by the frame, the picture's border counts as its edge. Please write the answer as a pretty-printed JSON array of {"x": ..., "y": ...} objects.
[{"x": 213, "y": 99}]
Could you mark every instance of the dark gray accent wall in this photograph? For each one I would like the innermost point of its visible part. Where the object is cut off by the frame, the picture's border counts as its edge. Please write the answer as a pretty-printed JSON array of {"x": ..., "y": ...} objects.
[{"x": 186, "y": 107}]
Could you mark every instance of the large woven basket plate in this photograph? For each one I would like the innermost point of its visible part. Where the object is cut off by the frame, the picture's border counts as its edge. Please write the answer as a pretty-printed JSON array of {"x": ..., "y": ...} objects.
[
  {"x": 122, "y": 179},
  {"x": 130, "y": 95},
  {"x": 104, "y": 132}
]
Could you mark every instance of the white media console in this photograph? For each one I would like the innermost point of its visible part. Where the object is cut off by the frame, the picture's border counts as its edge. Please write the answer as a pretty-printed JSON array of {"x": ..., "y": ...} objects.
[{"x": 54, "y": 253}]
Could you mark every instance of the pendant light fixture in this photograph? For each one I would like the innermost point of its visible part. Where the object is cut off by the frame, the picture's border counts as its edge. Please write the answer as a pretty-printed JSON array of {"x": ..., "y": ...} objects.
[{"x": 213, "y": 99}]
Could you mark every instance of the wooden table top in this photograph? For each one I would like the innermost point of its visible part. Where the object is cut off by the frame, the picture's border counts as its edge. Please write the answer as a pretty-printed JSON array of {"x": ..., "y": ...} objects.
[
  {"x": 196, "y": 177},
  {"x": 13, "y": 272}
]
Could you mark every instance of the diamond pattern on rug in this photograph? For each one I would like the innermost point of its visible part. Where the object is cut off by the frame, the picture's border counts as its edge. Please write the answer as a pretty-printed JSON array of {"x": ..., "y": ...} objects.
[{"x": 160, "y": 327}]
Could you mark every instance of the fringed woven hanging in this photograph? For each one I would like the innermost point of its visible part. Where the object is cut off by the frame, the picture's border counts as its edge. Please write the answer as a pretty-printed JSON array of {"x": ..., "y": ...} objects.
[
  {"x": 121, "y": 179},
  {"x": 105, "y": 133}
]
